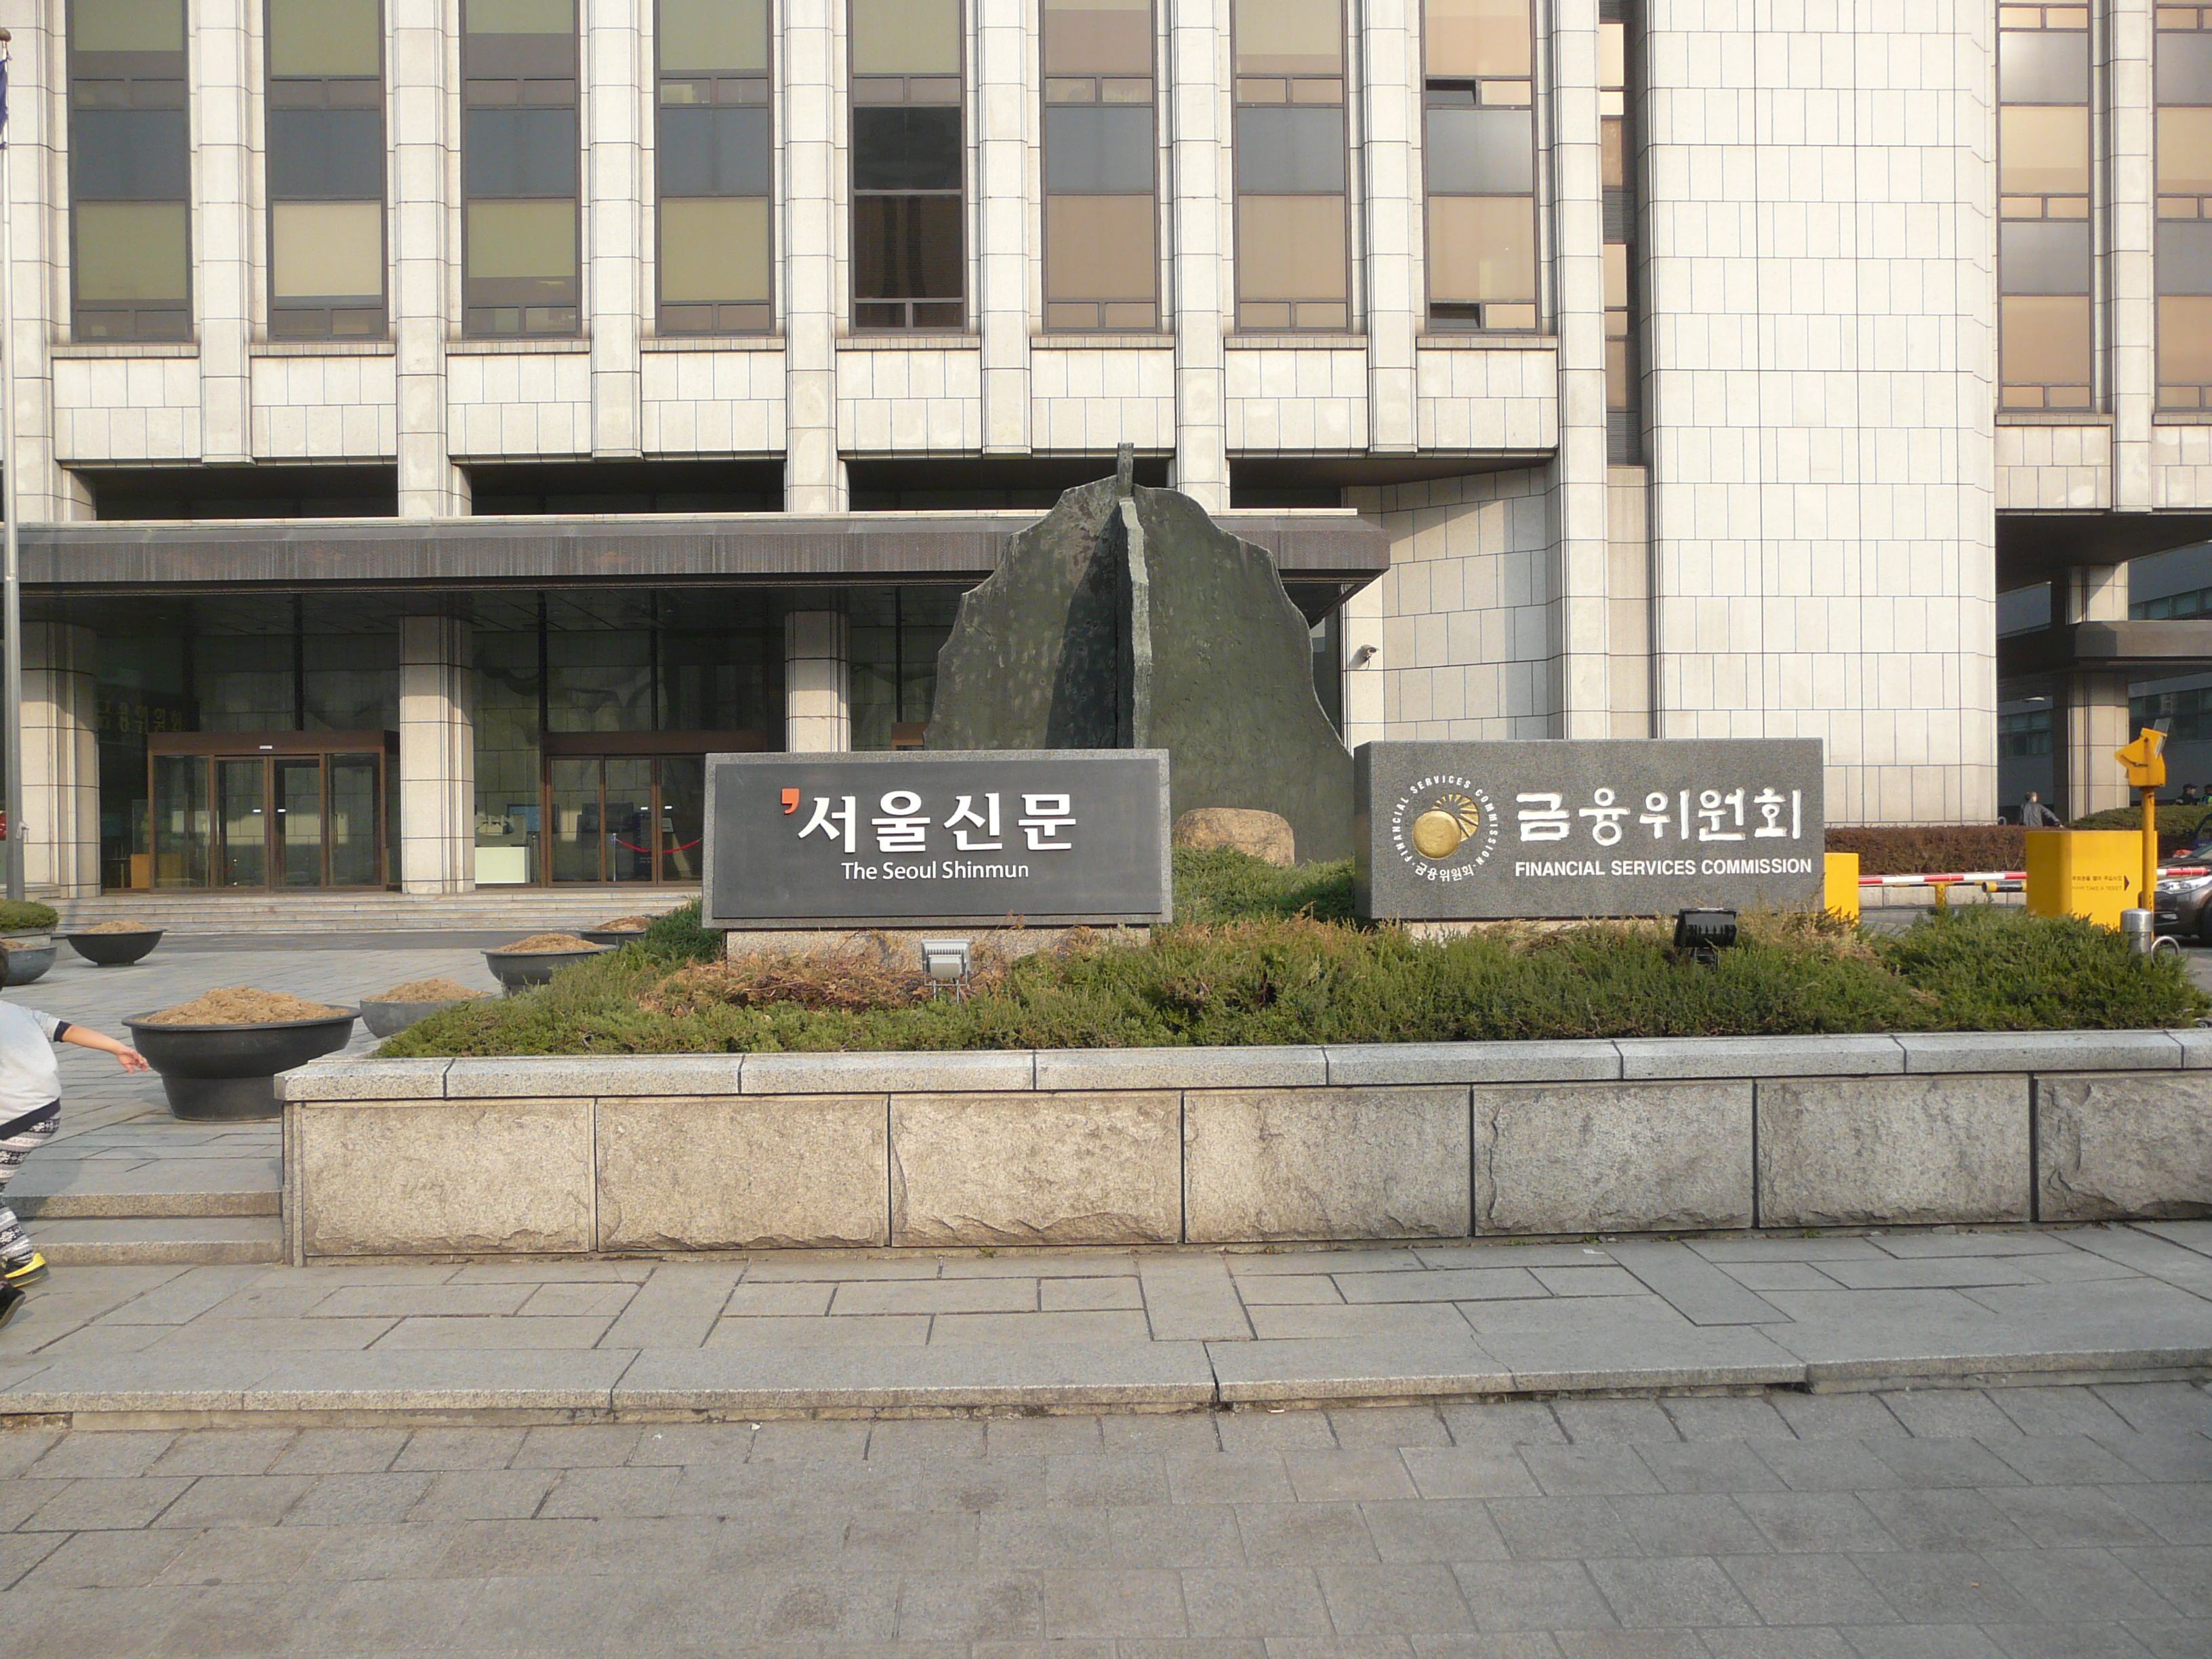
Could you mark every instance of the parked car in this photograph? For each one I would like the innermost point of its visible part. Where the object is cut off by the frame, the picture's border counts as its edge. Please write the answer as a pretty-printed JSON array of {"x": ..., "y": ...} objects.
[{"x": 2184, "y": 903}]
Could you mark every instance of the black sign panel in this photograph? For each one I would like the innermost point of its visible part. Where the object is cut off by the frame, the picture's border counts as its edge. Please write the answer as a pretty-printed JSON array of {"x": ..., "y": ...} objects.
[
  {"x": 1466, "y": 831},
  {"x": 925, "y": 839}
]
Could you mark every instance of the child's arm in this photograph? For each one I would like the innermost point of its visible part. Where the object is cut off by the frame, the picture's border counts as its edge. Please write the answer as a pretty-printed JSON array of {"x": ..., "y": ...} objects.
[{"x": 85, "y": 1037}]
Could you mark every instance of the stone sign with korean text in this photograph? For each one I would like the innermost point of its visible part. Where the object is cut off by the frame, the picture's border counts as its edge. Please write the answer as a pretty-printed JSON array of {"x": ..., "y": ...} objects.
[
  {"x": 1465, "y": 831},
  {"x": 924, "y": 839}
]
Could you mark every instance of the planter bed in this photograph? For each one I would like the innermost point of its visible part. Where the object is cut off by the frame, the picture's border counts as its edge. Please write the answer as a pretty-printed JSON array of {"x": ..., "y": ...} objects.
[{"x": 1250, "y": 1145}]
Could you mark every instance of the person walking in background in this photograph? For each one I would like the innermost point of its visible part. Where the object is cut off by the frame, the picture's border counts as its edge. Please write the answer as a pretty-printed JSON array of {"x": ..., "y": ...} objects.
[
  {"x": 2034, "y": 815},
  {"x": 30, "y": 1113},
  {"x": 2189, "y": 797}
]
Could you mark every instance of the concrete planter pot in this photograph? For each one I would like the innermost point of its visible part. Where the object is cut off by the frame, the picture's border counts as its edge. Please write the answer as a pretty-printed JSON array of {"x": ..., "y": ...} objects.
[
  {"x": 521, "y": 970},
  {"x": 385, "y": 1019},
  {"x": 114, "y": 949},
  {"x": 615, "y": 937},
  {"x": 27, "y": 956},
  {"x": 230, "y": 1071}
]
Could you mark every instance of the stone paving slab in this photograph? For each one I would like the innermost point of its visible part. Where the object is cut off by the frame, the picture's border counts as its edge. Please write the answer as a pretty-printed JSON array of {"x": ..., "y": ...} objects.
[{"x": 1058, "y": 1330}]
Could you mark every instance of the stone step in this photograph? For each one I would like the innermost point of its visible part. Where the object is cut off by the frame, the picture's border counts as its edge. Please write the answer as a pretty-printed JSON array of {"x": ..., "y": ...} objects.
[
  {"x": 201, "y": 1241},
  {"x": 60, "y": 1186},
  {"x": 525, "y": 908}
]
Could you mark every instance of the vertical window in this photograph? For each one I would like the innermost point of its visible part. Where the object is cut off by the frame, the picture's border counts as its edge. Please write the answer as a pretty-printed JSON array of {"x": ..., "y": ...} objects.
[
  {"x": 713, "y": 156},
  {"x": 909, "y": 260},
  {"x": 1101, "y": 217},
  {"x": 2183, "y": 256},
  {"x": 2043, "y": 207},
  {"x": 1479, "y": 142},
  {"x": 519, "y": 148},
  {"x": 1624, "y": 400},
  {"x": 1293, "y": 257},
  {"x": 325, "y": 102},
  {"x": 129, "y": 177}
]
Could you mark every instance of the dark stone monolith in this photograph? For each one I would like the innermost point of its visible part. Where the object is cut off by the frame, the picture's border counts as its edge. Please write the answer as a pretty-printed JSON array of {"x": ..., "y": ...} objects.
[{"x": 1127, "y": 619}]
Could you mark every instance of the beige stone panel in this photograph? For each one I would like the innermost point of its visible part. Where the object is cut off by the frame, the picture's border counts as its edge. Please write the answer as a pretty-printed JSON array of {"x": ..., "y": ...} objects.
[
  {"x": 482, "y": 1177},
  {"x": 2110, "y": 1146},
  {"x": 1043, "y": 1169},
  {"x": 1299, "y": 1164},
  {"x": 724, "y": 1174},
  {"x": 1611, "y": 1158},
  {"x": 1838, "y": 1151}
]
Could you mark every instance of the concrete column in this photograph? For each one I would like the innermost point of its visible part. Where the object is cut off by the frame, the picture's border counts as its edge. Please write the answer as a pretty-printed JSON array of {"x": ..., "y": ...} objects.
[
  {"x": 423, "y": 111},
  {"x": 437, "y": 756},
  {"x": 1199, "y": 199},
  {"x": 2130, "y": 307},
  {"x": 817, "y": 712},
  {"x": 1390, "y": 107},
  {"x": 1366, "y": 711},
  {"x": 813, "y": 207},
  {"x": 1584, "y": 705},
  {"x": 2094, "y": 719},
  {"x": 1006, "y": 50},
  {"x": 38, "y": 183},
  {"x": 226, "y": 37},
  {"x": 61, "y": 761},
  {"x": 616, "y": 54}
]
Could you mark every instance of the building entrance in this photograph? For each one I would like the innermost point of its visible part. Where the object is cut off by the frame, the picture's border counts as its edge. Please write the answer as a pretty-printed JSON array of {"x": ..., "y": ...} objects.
[
  {"x": 625, "y": 807},
  {"x": 271, "y": 809}
]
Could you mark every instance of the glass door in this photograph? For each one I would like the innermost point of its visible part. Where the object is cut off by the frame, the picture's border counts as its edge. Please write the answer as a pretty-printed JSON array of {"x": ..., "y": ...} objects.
[
  {"x": 572, "y": 818},
  {"x": 183, "y": 829},
  {"x": 627, "y": 781},
  {"x": 279, "y": 820},
  {"x": 353, "y": 823},
  {"x": 683, "y": 815},
  {"x": 299, "y": 793},
  {"x": 241, "y": 823}
]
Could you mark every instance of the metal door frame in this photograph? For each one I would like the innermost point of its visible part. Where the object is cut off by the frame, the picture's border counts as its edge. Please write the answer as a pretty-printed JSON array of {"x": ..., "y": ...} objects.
[{"x": 269, "y": 747}]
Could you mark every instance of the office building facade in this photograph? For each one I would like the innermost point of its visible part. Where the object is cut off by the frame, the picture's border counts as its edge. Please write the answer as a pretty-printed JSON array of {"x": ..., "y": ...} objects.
[{"x": 441, "y": 422}]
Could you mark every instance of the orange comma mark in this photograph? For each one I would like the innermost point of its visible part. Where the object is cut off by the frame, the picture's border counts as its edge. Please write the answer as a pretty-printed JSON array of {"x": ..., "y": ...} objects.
[{"x": 790, "y": 802}]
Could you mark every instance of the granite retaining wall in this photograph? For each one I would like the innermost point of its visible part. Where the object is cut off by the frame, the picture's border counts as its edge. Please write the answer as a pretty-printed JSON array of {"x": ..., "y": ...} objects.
[{"x": 663, "y": 1153}]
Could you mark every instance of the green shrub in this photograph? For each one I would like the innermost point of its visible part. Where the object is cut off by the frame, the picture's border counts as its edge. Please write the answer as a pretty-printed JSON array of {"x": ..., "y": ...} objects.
[
  {"x": 677, "y": 936},
  {"x": 1299, "y": 980},
  {"x": 1931, "y": 848},
  {"x": 1216, "y": 884},
  {"x": 2177, "y": 826},
  {"x": 23, "y": 917}
]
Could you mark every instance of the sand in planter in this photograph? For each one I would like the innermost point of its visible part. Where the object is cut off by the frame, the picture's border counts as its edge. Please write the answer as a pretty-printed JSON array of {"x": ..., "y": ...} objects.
[
  {"x": 118, "y": 927},
  {"x": 428, "y": 990},
  {"x": 546, "y": 944},
  {"x": 624, "y": 925},
  {"x": 239, "y": 1004}
]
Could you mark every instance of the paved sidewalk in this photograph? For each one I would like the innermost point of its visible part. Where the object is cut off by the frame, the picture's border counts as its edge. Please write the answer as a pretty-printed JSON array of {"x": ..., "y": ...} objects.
[
  {"x": 801, "y": 1332},
  {"x": 2015, "y": 1523},
  {"x": 119, "y": 1154}
]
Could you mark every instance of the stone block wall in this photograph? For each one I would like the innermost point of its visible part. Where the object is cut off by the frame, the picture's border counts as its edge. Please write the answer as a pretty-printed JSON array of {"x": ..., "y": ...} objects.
[{"x": 1162, "y": 1147}]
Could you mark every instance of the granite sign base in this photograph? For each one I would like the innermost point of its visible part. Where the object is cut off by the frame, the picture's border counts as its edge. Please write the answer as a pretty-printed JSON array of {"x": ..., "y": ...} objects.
[{"x": 1480, "y": 831}]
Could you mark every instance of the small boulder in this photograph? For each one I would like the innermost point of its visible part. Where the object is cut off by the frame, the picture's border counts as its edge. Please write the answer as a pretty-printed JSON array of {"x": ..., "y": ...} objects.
[{"x": 1242, "y": 829}]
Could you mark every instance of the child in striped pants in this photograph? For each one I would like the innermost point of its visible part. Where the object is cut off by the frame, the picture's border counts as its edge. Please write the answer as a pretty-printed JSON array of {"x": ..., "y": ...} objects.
[{"x": 30, "y": 1112}]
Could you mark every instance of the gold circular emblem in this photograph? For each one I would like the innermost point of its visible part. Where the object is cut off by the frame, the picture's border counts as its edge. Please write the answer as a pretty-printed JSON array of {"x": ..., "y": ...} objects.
[{"x": 1438, "y": 832}]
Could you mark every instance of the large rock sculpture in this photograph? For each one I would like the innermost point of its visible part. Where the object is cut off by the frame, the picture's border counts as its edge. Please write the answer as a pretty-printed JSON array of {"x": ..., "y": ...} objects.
[{"x": 1127, "y": 619}]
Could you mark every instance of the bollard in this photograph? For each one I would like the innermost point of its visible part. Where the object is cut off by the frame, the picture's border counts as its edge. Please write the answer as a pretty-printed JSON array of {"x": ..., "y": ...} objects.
[{"x": 2137, "y": 926}]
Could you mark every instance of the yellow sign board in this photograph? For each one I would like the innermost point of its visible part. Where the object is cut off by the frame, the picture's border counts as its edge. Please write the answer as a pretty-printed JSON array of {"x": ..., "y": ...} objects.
[
  {"x": 2093, "y": 873},
  {"x": 1842, "y": 897},
  {"x": 2144, "y": 759}
]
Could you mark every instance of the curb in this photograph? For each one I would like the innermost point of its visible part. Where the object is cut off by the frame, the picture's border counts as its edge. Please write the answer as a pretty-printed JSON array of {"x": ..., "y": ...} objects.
[{"x": 709, "y": 1384}]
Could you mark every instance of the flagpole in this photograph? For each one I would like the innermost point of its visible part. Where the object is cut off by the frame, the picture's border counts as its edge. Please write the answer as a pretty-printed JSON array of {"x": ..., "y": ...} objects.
[{"x": 11, "y": 577}]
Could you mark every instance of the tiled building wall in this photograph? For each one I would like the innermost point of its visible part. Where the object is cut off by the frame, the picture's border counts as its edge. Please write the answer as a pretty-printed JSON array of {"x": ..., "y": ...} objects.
[
  {"x": 1809, "y": 552},
  {"x": 1821, "y": 269}
]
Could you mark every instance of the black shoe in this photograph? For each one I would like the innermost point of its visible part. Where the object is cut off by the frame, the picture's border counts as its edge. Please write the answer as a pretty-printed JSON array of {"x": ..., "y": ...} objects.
[{"x": 10, "y": 1300}]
